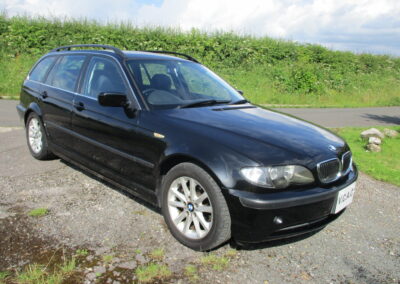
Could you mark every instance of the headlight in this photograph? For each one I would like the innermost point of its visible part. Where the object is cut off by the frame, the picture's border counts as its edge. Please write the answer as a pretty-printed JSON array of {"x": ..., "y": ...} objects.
[{"x": 277, "y": 177}]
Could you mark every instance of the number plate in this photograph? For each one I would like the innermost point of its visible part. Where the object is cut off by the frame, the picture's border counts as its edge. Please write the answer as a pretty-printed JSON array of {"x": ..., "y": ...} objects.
[{"x": 344, "y": 197}]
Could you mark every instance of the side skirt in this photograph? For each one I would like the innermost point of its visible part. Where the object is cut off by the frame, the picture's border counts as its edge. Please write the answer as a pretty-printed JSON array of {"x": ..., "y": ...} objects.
[{"x": 138, "y": 191}]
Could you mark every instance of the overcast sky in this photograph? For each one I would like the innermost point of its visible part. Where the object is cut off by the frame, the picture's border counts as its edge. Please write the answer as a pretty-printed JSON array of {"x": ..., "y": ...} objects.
[{"x": 357, "y": 25}]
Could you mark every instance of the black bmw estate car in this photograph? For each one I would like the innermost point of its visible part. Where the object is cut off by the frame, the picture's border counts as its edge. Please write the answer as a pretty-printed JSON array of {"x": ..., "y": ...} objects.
[{"x": 170, "y": 131}]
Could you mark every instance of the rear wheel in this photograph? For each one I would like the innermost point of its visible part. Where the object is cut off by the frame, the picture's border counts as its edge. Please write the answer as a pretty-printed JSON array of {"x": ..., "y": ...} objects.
[
  {"x": 36, "y": 138},
  {"x": 194, "y": 208}
]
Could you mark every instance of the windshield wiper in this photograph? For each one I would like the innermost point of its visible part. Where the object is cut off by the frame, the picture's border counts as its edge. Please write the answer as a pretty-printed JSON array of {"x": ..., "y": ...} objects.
[
  {"x": 204, "y": 103},
  {"x": 239, "y": 102}
]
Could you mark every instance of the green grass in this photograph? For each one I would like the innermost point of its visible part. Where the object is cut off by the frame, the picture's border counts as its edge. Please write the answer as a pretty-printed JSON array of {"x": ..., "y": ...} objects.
[
  {"x": 360, "y": 90},
  {"x": 191, "y": 272},
  {"x": 269, "y": 71},
  {"x": 231, "y": 253},
  {"x": 157, "y": 254},
  {"x": 38, "y": 212},
  {"x": 68, "y": 266},
  {"x": 39, "y": 274},
  {"x": 4, "y": 274},
  {"x": 384, "y": 165},
  {"x": 108, "y": 258},
  {"x": 81, "y": 252},
  {"x": 215, "y": 262},
  {"x": 151, "y": 272}
]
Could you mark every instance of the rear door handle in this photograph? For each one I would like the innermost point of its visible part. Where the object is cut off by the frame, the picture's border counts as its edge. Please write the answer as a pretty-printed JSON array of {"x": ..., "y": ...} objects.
[
  {"x": 43, "y": 94},
  {"x": 79, "y": 106}
]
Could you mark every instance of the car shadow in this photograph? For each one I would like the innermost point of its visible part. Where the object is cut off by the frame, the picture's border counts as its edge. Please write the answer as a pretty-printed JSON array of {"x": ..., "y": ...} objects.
[
  {"x": 274, "y": 243},
  {"x": 112, "y": 186},
  {"x": 384, "y": 118}
]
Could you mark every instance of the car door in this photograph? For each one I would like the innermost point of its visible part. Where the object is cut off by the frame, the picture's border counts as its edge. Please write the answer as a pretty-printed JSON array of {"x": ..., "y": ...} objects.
[
  {"x": 33, "y": 85},
  {"x": 57, "y": 95},
  {"x": 108, "y": 139}
]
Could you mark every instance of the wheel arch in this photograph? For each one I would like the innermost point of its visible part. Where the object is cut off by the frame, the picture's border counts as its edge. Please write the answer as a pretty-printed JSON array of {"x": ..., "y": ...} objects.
[
  {"x": 33, "y": 107},
  {"x": 169, "y": 162}
]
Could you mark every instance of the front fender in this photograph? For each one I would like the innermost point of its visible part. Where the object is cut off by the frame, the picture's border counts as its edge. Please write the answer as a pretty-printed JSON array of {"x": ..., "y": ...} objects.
[{"x": 222, "y": 163}]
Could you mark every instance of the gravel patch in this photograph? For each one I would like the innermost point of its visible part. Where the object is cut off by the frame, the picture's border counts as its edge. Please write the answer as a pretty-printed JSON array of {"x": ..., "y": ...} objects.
[{"x": 120, "y": 232}]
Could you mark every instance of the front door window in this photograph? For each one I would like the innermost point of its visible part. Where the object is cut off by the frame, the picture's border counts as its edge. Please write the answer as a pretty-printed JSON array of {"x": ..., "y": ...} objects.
[{"x": 103, "y": 75}]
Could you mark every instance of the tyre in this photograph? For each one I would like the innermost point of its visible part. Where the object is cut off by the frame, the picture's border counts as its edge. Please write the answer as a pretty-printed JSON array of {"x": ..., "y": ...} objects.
[
  {"x": 36, "y": 138},
  {"x": 194, "y": 208}
]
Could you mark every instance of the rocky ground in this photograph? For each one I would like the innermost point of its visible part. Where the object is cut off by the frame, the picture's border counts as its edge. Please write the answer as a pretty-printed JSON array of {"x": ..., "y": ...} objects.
[{"x": 113, "y": 237}]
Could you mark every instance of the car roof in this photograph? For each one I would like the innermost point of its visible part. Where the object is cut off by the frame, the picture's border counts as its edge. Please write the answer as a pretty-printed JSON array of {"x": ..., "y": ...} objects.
[{"x": 138, "y": 55}]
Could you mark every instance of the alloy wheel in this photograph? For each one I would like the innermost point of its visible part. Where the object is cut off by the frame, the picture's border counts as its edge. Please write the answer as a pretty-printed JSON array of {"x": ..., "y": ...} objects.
[
  {"x": 35, "y": 135},
  {"x": 190, "y": 207}
]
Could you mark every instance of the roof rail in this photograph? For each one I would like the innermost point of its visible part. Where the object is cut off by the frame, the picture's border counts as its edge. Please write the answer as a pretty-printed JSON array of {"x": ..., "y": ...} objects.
[
  {"x": 103, "y": 46},
  {"x": 172, "y": 52}
]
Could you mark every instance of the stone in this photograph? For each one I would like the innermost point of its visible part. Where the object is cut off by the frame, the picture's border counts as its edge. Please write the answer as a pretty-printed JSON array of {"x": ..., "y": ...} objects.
[
  {"x": 116, "y": 273},
  {"x": 140, "y": 258},
  {"x": 373, "y": 148},
  {"x": 116, "y": 260},
  {"x": 127, "y": 265},
  {"x": 374, "y": 140},
  {"x": 91, "y": 276},
  {"x": 372, "y": 132},
  {"x": 99, "y": 270},
  {"x": 390, "y": 132}
]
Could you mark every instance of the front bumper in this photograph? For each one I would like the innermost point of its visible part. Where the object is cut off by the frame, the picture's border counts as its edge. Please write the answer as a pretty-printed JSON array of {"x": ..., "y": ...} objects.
[{"x": 261, "y": 217}]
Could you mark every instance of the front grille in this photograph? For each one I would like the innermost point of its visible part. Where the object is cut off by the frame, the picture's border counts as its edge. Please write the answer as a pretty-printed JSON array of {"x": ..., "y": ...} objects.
[
  {"x": 329, "y": 171},
  {"x": 346, "y": 162}
]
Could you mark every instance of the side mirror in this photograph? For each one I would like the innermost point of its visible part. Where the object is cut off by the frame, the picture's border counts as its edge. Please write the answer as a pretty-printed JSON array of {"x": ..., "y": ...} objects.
[
  {"x": 240, "y": 92},
  {"x": 112, "y": 99}
]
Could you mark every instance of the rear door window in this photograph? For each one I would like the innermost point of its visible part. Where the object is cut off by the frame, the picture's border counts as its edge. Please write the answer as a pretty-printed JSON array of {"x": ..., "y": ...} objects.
[
  {"x": 39, "y": 72},
  {"x": 65, "y": 73}
]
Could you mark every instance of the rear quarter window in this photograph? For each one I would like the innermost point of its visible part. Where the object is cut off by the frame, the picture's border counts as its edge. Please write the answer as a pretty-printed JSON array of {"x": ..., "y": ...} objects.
[
  {"x": 65, "y": 73},
  {"x": 40, "y": 70}
]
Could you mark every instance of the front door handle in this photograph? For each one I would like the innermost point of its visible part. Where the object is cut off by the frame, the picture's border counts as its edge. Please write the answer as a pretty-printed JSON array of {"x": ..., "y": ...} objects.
[
  {"x": 43, "y": 94},
  {"x": 79, "y": 106}
]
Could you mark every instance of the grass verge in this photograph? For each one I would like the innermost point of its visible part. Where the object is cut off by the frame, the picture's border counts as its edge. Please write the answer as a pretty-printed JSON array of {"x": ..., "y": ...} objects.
[
  {"x": 269, "y": 71},
  {"x": 384, "y": 165}
]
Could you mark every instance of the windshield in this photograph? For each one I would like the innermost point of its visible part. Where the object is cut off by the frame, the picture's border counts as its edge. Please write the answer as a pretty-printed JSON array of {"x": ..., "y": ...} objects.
[{"x": 176, "y": 84}]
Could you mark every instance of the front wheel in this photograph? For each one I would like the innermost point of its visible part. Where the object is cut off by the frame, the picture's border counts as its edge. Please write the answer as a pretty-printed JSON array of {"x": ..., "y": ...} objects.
[{"x": 194, "y": 208}]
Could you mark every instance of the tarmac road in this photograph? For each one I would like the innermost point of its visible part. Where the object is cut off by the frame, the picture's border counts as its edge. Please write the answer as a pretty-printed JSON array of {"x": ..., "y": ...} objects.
[
  {"x": 341, "y": 117},
  {"x": 327, "y": 117}
]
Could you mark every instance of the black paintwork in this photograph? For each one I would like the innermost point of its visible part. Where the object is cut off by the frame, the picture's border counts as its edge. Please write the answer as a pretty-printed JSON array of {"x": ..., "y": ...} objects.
[{"x": 134, "y": 146}]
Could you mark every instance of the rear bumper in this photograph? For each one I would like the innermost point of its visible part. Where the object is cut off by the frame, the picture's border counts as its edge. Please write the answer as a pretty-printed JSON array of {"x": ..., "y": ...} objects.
[
  {"x": 262, "y": 217},
  {"x": 21, "y": 111}
]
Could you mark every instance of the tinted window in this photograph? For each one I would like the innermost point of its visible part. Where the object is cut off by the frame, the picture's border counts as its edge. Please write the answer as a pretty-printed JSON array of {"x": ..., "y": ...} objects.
[
  {"x": 39, "y": 72},
  {"x": 65, "y": 73},
  {"x": 103, "y": 75}
]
